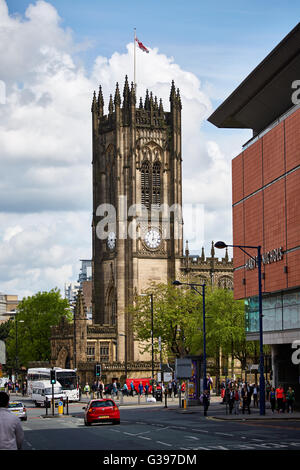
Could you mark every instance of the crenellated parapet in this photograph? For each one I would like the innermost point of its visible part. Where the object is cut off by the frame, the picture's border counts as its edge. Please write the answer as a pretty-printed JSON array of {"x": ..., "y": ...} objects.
[{"x": 149, "y": 113}]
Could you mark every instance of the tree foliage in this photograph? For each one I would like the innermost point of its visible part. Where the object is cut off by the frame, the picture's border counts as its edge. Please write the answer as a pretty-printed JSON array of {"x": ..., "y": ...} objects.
[
  {"x": 35, "y": 316},
  {"x": 178, "y": 320}
]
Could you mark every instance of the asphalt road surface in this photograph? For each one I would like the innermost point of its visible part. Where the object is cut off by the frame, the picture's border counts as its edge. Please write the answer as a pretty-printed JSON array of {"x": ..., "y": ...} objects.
[{"x": 155, "y": 428}]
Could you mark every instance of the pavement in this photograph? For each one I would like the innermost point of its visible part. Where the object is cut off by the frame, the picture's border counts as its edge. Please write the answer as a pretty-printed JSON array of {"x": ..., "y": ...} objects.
[{"x": 217, "y": 409}]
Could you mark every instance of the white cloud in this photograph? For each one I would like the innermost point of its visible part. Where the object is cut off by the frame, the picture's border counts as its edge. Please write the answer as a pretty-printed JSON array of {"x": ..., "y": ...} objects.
[{"x": 45, "y": 134}]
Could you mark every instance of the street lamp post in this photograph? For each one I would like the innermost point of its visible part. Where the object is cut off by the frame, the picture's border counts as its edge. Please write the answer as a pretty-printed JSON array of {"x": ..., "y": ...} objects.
[
  {"x": 192, "y": 286},
  {"x": 220, "y": 244}
]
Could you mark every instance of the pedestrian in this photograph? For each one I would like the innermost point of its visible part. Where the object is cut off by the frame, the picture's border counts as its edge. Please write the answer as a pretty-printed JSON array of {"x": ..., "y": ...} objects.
[
  {"x": 237, "y": 398},
  {"x": 280, "y": 398},
  {"x": 170, "y": 386},
  {"x": 231, "y": 399},
  {"x": 205, "y": 400},
  {"x": 209, "y": 382},
  {"x": 101, "y": 388},
  {"x": 131, "y": 388},
  {"x": 11, "y": 431},
  {"x": 141, "y": 388},
  {"x": 246, "y": 397},
  {"x": 114, "y": 389},
  {"x": 272, "y": 396},
  {"x": 94, "y": 389},
  {"x": 125, "y": 389},
  {"x": 255, "y": 395},
  {"x": 17, "y": 387},
  {"x": 146, "y": 389},
  {"x": 86, "y": 389},
  {"x": 24, "y": 388},
  {"x": 290, "y": 397}
]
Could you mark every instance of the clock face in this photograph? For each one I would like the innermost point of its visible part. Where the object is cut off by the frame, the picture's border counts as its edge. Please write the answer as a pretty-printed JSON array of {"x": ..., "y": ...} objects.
[
  {"x": 111, "y": 240},
  {"x": 153, "y": 238}
]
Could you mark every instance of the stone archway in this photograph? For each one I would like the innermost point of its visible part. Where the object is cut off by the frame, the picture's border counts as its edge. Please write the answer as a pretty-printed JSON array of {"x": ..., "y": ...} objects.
[{"x": 62, "y": 358}]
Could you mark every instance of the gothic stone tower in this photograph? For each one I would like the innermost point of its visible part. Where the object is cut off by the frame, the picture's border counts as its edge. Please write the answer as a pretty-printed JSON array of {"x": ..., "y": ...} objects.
[{"x": 137, "y": 171}]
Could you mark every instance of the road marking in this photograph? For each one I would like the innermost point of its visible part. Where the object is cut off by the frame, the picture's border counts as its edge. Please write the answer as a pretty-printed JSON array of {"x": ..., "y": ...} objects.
[
  {"x": 200, "y": 430},
  {"x": 191, "y": 437},
  {"x": 129, "y": 433},
  {"x": 164, "y": 443},
  {"x": 224, "y": 434},
  {"x": 144, "y": 437}
]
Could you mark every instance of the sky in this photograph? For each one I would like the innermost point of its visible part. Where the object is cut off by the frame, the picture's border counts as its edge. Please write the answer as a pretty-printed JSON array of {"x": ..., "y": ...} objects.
[{"x": 54, "y": 54}]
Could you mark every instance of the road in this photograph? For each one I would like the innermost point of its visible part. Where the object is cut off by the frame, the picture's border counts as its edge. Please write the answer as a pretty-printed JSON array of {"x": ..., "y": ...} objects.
[{"x": 156, "y": 428}]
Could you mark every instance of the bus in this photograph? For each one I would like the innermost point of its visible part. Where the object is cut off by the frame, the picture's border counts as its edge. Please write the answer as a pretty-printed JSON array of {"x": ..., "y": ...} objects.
[{"x": 66, "y": 377}]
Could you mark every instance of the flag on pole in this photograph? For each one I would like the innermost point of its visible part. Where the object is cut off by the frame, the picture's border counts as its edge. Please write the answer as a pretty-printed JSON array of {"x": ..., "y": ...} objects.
[{"x": 141, "y": 46}]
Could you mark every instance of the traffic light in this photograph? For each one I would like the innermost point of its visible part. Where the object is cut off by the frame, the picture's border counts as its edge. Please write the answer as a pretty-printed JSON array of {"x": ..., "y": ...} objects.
[
  {"x": 98, "y": 370},
  {"x": 52, "y": 376}
]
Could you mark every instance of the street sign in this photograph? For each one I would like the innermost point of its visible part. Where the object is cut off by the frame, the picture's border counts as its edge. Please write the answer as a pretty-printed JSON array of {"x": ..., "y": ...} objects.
[{"x": 183, "y": 368}]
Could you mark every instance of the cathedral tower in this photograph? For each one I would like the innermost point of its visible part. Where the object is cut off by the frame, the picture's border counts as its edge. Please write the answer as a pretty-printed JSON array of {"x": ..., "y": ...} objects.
[{"x": 137, "y": 199}]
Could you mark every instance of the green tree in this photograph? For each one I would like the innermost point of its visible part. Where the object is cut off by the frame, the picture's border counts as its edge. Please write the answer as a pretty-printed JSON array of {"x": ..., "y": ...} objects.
[
  {"x": 175, "y": 318},
  {"x": 35, "y": 316}
]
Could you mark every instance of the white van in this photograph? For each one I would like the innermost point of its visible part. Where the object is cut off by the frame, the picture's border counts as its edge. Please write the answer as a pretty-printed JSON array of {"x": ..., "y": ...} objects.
[{"x": 42, "y": 393}]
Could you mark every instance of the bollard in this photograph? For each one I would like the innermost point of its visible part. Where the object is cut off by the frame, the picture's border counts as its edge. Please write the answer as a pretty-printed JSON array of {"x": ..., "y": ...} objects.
[
  {"x": 166, "y": 399},
  {"x": 121, "y": 398},
  {"x": 67, "y": 405},
  {"x": 184, "y": 404},
  {"x": 60, "y": 407},
  {"x": 46, "y": 406},
  {"x": 139, "y": 399}
]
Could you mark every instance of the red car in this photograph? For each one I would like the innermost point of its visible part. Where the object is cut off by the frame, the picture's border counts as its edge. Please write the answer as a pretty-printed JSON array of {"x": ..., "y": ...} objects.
[{"x": 101, "y": 410}]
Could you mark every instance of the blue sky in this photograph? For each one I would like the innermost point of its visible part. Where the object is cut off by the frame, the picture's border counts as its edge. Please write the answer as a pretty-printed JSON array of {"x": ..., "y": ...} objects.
[
  {"x": 54, "y": 53},
  {"x": 220, "y": 42}
]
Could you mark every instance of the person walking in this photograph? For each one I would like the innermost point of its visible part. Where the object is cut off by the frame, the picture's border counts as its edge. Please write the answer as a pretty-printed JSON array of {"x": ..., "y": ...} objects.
[
  {"x": 246, "y": 397},
  {"x": 170, "y": 386},
  {"x": 237, "y": 398},
  {"x": 231, "y": 400},
  {"x": 146, "y": 389},
  {"x": 141, "y": 388},
  {"x": 131, "y": 388},
  {"x": 114, "y": 391},
  {"x": 205, "y": 400},
  {"x": 101, "y": 388},
  {"x": 280, "y": 398},
  {"x": 11, "y": 431},
  {"x": 290, "y": 399},
  {"x": 94, "y": 389},
  {"x": 255, "y": 395},
  {"x": 272, "y": 395},
  {"x": 87, "y": 390}
]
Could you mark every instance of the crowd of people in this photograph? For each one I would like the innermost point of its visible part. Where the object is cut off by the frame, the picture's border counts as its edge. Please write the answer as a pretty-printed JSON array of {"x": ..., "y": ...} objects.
[
  {"x": 15, "y": 387},
  {"x": 240, "y": 395}
]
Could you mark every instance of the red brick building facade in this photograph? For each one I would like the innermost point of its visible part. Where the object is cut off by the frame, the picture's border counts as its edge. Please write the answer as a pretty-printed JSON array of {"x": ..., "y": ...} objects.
[
  {"x": 266, "y": 207},
  {"x": 266, "y": 203}
]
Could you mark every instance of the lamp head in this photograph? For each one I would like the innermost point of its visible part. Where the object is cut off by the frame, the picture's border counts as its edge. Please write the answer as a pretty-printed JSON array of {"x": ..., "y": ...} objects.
[{"x": 220, "y": 245}]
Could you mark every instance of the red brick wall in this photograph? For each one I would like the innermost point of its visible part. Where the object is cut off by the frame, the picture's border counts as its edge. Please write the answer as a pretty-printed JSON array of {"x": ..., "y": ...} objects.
[{"x": 266, "y": 207}]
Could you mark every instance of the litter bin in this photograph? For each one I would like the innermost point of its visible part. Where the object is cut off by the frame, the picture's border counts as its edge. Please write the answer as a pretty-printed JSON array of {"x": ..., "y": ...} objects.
[{"x": 158, "y": 395}]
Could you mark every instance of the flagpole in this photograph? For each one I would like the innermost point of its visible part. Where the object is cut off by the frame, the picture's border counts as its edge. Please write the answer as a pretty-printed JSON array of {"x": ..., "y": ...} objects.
[{"x": 134, "y": 61}]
